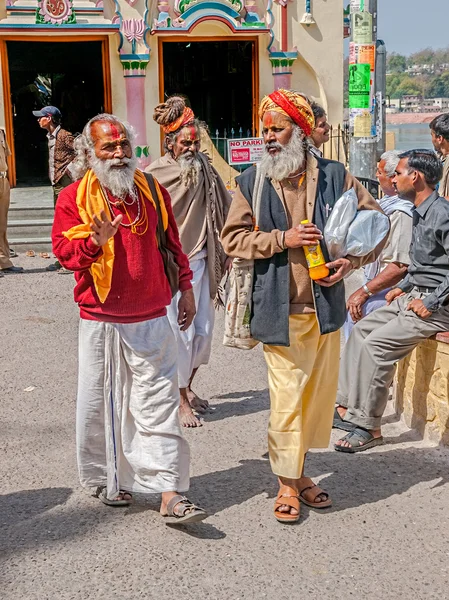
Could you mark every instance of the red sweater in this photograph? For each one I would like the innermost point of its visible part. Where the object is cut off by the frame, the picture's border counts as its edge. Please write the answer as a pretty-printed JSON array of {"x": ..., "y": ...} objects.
[{"x": 139, "y": 288}]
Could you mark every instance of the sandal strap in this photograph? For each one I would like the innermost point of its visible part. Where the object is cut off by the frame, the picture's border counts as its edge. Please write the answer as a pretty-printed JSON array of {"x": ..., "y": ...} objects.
[
  {"x": 312, "y": 493},
  {"x": 357, "y": 435},
  {"x": 292, "y": 501},
  {"x": 186, "y": 506}
]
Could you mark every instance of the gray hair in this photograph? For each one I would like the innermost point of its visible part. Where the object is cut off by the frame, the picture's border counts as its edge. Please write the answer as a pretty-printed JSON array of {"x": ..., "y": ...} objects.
[
  {"x": 84, "y": 144},
  {"x": 391, "y": 158}
]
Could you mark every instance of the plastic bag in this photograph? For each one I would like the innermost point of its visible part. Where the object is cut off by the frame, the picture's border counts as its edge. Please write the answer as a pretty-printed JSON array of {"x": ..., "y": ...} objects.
[
  {"x": 337, "y": 226},
  {"x": 366, "y": 231},
  {"x": 353, "y": 232}
]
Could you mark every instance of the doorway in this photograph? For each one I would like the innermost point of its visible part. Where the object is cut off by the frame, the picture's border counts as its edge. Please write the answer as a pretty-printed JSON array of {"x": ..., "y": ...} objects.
[
  {"x": 68, "y": 75},
  {"x": 219, "y": 79}
]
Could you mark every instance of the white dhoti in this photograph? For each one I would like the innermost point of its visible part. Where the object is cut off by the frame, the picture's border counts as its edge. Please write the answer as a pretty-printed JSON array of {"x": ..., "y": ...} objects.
[
  {"x": 128, "y": 433},
  {"x": 194, "y": 345}
]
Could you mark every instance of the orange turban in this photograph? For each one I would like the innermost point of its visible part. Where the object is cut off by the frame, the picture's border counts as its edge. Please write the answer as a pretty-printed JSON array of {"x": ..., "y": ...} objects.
[
  {"x": 292, "y": 105},
  {"x": 186, "y": 118}
]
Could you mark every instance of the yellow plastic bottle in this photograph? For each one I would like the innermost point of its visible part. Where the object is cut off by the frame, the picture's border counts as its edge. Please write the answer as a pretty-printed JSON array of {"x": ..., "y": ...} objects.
[{"x": 315, "y": 260}]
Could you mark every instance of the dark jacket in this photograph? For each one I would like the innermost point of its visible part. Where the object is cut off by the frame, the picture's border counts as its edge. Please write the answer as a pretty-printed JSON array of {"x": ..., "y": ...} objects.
[{"x": 270, "y": 313}]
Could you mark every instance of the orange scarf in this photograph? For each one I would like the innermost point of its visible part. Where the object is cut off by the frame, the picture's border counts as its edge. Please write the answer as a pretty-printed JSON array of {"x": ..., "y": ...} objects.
[{"x": 91, "y": 201}]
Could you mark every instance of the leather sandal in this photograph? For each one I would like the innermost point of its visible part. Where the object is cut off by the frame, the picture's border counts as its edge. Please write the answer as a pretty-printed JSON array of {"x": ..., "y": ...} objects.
[
  {"x": 118, "y": 501},
  {"x": 310, "y": 492},
  {"x": 287, "y": 496},
  {"x": 181, "y": 511}
]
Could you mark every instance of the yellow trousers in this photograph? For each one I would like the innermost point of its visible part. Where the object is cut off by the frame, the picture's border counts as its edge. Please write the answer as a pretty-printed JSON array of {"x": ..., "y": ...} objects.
[{"x": 303, "y": 386}]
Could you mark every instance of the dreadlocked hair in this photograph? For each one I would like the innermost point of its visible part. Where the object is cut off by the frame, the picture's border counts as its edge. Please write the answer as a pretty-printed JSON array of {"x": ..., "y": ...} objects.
[{"x": 169, "y": 111}]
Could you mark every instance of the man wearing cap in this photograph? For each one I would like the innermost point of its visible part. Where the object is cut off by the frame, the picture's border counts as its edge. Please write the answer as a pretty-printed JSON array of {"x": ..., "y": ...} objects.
[
  {"x": 60, "y": 154},
  {"x": 297, "y": 319},
  {"x": 60, "y": 148}
]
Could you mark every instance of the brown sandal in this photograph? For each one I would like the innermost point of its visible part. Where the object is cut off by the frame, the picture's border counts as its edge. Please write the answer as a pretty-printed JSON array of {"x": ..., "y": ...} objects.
[
  {"x": 310, "y": 492},
  {"x": 287, "y": 496},
  {"x": 30, "y": 253},
  {"x": 180, "y": 510}
]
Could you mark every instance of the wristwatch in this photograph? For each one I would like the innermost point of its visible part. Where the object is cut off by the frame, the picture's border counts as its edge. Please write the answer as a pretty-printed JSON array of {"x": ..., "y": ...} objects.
[{"x": 366, "y": 290}]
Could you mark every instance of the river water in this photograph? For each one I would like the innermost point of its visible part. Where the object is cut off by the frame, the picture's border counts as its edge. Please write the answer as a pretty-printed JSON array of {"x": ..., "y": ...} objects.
[{"x": 411, "y": 136}]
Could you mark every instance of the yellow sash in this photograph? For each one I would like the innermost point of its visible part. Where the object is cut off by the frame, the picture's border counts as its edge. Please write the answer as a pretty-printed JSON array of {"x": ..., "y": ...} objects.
[{"x": 91, "y": 201}]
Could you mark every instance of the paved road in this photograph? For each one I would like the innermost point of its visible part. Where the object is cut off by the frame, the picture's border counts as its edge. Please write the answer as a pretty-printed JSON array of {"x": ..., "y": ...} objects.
[{"x": 386, "y": 536}]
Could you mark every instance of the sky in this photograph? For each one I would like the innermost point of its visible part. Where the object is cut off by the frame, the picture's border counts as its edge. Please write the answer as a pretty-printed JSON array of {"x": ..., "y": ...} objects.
[{"x": 407, "y": 26}]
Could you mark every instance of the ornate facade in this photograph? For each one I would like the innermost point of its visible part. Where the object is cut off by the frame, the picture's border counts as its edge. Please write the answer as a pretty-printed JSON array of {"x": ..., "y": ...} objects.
[{"x": 295, "y": 44}]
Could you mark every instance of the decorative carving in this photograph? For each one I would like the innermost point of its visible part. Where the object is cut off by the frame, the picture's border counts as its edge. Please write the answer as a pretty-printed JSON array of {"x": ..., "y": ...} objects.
[
  {"x": 56, "y": 12},
  {"x": 307, "y": 18},
  {"x": 252, "y": 18},
  {"x": 164, "y": 19},
  {"x": 134, "y": 65},
  {"x": 133, "y": 30}
]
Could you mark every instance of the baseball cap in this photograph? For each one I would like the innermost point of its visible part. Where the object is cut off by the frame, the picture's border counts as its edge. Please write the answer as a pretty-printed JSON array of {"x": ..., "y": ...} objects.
[{"x": 47, "y": 111}]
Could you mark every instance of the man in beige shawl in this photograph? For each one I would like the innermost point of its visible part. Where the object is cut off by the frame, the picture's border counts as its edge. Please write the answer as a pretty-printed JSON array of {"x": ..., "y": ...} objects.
[
  {"x": 439, "y": 128},
  {"x": 200, "y": 204}
]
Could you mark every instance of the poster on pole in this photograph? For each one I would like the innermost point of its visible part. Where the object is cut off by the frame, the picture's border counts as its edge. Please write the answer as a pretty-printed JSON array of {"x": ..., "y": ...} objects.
[
  {"x": 362, "y": 53},
  {"x": 245, "y": 150},
  {"x": 359, "y": 86},
  {"x": 361, "y": 122},
  {"x": 355, "y": 6},
  {"x": 367, "y": 55},
  {"x": 362, "y": 28}
]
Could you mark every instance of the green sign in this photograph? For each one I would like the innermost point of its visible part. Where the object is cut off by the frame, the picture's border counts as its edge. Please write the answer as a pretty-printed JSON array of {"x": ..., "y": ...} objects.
[{"x": 359, "y": 86}]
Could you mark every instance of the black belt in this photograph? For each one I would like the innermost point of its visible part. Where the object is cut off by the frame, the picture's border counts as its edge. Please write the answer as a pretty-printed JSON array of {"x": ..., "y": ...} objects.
[{"x": 424, "y": 290}]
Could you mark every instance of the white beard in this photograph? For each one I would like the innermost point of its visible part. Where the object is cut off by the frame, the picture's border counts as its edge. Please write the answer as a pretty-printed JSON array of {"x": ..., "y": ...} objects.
[
  {"x": 190, "y": 169},
  {"x": 120, "y": 182},
  {"x": 287, "y": 161}
]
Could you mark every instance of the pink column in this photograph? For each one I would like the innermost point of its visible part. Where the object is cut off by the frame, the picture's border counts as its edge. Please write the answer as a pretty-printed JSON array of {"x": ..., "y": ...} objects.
[{"x": 134, "y": 73}]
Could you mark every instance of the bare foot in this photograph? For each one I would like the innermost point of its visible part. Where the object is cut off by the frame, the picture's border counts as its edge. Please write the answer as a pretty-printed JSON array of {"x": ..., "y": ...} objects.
[
  {"x": 341, "y": 411},
  {"x": 186, "y": 415},
  {"x": 196, "y": 402}
]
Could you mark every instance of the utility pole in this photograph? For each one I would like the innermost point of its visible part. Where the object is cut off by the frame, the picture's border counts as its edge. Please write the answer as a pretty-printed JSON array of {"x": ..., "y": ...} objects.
[
  {"x": 362, "y": 90},
  {"x": 381, "y": 96}
]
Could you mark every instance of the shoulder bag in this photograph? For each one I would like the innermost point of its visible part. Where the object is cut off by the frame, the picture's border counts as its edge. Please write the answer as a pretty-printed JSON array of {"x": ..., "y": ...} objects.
[
  {"x": 241, "y": 280},
  {"x": 170, "y": 266}
]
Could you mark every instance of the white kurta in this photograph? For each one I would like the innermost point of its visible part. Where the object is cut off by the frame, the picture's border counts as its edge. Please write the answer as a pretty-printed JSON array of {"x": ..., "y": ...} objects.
[
  {"x": 127, "y": 431},
  {"x": 194, "y": 345}
]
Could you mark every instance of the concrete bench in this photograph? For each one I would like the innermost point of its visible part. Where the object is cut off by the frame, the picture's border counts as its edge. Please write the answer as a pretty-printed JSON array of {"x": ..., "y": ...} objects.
[{"x": 422, "y": 389}]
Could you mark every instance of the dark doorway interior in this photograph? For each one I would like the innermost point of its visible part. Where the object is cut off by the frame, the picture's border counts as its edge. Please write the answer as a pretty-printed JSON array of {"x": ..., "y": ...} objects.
[
  {"x": 68, "y": 75},
  {"x": 217, "y": 78}
]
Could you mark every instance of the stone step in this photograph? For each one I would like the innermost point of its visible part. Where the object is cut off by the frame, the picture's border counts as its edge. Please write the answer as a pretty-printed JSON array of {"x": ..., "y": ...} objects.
[
  {"x": 30, "y": 213},
  {"x": 30, "y": 223},
  {"x": 38, "y": 244}
]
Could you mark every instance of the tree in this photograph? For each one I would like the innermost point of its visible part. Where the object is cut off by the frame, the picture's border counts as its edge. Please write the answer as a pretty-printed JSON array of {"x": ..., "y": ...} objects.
[
  {"x": 396, "y": 63},
  {"x": 439, "y": 88},
  {"x": 423, "y": 57},
  {"x": 408, "y": 86}
]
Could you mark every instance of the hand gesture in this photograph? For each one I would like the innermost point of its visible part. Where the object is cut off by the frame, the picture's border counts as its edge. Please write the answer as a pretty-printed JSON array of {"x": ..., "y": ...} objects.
[
  {"x": 393, "y": 294},
  {"x": 417, "y": 306},
  {"x": 186, "y": 309},
  {"x": 343, "y": 266},
  {"x": 307, "y": 234},
  {"x": 355, "y": 303},
  {"x": 103, "y": 228}
]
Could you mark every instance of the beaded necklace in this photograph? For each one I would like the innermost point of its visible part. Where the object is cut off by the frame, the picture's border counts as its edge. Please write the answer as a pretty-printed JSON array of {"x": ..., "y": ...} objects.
[{"x": 139, "y": 221}]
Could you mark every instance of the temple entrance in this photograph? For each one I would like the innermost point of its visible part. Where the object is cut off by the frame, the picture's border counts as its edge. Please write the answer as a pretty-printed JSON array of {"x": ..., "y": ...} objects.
[
  {"x": 68, "y": 75},
  {"x": 219, "y": 79}
]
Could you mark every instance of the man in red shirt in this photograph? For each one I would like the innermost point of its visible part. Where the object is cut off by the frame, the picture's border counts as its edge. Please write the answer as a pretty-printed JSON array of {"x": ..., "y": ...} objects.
[{"x": 128, "y": 432}]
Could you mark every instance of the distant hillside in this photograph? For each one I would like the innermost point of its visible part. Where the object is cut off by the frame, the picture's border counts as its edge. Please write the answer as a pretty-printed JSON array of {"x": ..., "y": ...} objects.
[{"x": 424, "y": 73}]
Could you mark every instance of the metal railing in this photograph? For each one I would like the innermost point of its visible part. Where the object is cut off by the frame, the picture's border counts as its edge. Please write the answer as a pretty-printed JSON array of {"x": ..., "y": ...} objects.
[
  {"x": 221, "y": 141},
  {"x": 337, "y": 148}
]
